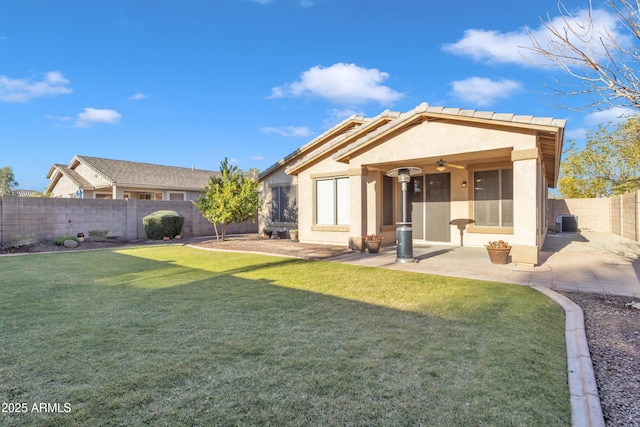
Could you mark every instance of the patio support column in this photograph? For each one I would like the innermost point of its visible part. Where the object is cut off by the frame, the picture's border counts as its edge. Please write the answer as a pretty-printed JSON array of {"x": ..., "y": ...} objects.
[
  {"x": 526, "y": 209},
  {"x": 357, "y": 207},
  {"x": 117, "y": 193}
]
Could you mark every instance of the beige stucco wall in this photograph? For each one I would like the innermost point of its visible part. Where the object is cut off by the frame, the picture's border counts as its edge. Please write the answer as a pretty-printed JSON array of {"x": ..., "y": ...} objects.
[
  {"x": 306, "y": 193},
  {"x": 478, "y": 147},
  {"x": 64, "y": 188},
  {"x": 279, "y": 177},
  {"x": 87, "y": 173},
  {"x": 439, "y": 139}
]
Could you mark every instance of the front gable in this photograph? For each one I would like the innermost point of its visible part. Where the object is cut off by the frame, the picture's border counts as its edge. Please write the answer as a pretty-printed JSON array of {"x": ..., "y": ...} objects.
[{"x": 427, "y": 132}]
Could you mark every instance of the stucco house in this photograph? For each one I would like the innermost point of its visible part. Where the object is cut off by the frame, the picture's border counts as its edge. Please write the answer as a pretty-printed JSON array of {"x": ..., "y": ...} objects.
[
  {"x": 485, "y": 176},
  {"x": 98, "y": 178}
]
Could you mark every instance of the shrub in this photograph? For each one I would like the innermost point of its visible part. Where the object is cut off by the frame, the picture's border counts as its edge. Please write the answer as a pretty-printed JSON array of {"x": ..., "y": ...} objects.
[
  {"x": 23, "y": 240},
  {"x": 60, "y": 239},
  {"x": 98, "y": 235},
  {"x": 161, "y": 224}
]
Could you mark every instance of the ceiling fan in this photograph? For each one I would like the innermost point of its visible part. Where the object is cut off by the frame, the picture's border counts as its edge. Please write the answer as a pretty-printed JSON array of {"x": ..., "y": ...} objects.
[{"x": 442, "y": 165}]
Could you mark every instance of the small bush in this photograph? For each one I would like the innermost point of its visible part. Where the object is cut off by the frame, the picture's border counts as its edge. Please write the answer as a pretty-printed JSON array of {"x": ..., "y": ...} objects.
[
  {"x": 161, "y": 224},
  {"x": 60, "y": 239},
  {"x": 98, "y": 235},
  {"x": 23, "y": 240}
]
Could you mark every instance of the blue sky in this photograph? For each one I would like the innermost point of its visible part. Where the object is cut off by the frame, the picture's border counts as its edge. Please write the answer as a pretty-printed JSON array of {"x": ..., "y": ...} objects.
[{"x": 187, "y": 83}]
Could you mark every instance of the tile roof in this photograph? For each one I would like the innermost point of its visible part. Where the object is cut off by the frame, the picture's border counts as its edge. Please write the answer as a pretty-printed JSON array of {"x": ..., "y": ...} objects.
[
  {"x": 27, "y": 193},
  {"x": 341, "y": 144},
  {"x": 424, "y": 110}
]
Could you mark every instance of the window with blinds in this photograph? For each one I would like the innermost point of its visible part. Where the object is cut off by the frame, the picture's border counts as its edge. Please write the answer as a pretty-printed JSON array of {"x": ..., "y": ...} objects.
[
  {"x": 332, "y": 201},
  {"x": 493, "y": 198},
  {"x": 284, "y": 203}
]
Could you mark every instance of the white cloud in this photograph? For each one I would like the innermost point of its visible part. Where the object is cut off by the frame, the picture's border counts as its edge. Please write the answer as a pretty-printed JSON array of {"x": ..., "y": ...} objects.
[
  {"x": 303, "y": 3},
  {"x": 258, "y": 158},
  {"x": 288, "y": 131},
  {"x": 93, "y": 115},
  {"x": 612, "y": 115},
  {"x": 574, "y": 134},
  {"x": 341, "y": 83},
  {"x": 58, "y": 118},
  {"x": 482, "y": 91},
  {"x": 336, "y": 115},
  {"x": 138, "y": 96},
  {"x": 23, "y": 90},
  {"x": 492, "y": 46},
  {"x": 514, "y": 47}
]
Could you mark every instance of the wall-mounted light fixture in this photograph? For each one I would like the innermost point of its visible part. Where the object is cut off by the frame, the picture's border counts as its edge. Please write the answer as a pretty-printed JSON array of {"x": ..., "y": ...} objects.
[{"x": 464, "y": 184}]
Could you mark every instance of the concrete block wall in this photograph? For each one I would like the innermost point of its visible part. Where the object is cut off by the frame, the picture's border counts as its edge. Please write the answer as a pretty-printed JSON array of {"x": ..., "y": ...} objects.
[
  {"x": 47, "y": 218},
  {"x": 593, "y": 214},
  {"x": 616, "y": 215},
  {"x": 630, "y": 216}
]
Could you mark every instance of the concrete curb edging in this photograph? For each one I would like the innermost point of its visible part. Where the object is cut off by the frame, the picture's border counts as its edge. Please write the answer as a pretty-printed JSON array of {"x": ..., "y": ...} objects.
[{"x": 585, "y": 401}]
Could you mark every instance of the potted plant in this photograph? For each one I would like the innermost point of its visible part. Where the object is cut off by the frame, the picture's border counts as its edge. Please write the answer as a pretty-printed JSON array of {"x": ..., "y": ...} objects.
[
  {"x": 267, "y": 232},
  {"x": 282, "y": 234},
  {"x": 372, "y": 242},
  {"x": 293, "y": 233},
  {"x": 80, "y": 237},
  {"x": 498, "y": 251}
]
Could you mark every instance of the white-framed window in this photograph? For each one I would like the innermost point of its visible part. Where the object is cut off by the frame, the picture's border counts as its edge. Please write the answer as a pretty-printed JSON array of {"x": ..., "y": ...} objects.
[
  {"x": 332, "y": 201},
  {"x": 493, "y": 198},
  {"x": 284, "y": 203},
  {"x": 179, "y": 196}
]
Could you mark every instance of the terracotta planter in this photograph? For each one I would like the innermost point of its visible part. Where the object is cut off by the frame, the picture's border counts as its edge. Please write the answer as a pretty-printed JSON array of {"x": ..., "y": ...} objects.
[
  {"x": 498, "y": 256},
  {"x": 372, "y": 247},
  {"x": 294, "y": 235},
  {"x": 282, "y": 234}
]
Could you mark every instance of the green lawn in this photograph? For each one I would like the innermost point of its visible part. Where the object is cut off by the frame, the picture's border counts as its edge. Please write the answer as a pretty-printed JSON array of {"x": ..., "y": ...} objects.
[{"x": 168, "y": 335}]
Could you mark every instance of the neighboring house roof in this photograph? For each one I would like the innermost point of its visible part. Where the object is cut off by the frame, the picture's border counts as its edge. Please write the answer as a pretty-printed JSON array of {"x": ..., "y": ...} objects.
[
  {"x": 57, "y": 171},
  {"x": 27, "y": 193},
  {"x": 131, "y": 174},
  {"x": 380, "y": 128}
]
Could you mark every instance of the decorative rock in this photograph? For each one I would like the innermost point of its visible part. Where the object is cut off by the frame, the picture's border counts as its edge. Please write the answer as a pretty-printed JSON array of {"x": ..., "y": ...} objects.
[
  {"x": 178, "y": 237},
  {"x": 166, "y": 238},
  {"x": 70, "y": 243}
]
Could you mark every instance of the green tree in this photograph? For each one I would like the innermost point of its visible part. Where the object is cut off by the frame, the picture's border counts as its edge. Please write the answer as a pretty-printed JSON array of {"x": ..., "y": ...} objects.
[
  {"x": 7, "y": 180},
  {"x": 230, "y": 197},
  {"x": 609, "y": 163}
]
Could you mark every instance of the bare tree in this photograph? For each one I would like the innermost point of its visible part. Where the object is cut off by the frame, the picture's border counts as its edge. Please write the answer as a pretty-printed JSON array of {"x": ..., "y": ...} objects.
[{"x": 603, "y": 59}]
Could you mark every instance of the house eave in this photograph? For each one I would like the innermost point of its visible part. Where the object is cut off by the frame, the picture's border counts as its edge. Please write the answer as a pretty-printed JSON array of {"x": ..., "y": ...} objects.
[
  {"x": 342, "y": 127},
  {"x": 521, "y": 122}
]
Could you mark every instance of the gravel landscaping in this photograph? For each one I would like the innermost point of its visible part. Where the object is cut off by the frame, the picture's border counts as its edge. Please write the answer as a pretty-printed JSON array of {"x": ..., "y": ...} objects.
[{"x": 613, "y": 333}]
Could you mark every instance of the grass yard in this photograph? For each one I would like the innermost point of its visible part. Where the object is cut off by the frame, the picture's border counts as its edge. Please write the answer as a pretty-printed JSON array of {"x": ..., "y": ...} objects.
[{"x": 169, "y": 335}]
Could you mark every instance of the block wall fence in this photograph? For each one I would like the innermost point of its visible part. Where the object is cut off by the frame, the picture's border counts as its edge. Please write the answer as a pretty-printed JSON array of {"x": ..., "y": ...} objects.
[
  {"x": 47, "y": 218},
  {"x": 616, "y": 214}
]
